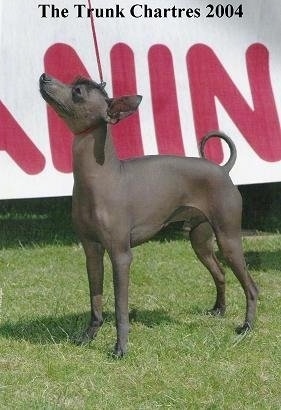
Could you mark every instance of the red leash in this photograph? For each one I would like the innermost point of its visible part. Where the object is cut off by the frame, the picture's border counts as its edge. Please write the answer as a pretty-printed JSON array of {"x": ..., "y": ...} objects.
[
  {"x": 96, "y": 48},
  {"x": 96, "y": 43}
]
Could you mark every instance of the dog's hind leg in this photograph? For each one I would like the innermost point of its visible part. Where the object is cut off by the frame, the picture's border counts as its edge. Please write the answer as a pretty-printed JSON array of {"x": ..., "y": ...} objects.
[
  {"x": 231, "y": 248},
  {"x": 202, "y": 241}
]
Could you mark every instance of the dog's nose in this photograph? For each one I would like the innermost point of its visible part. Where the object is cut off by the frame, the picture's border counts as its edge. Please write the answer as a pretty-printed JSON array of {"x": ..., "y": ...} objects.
[{"x": 44, "y": 78}]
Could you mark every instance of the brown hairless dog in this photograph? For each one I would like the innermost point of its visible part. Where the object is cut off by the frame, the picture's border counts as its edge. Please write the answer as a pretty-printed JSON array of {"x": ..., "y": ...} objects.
[{"x": 120, "y": 204}]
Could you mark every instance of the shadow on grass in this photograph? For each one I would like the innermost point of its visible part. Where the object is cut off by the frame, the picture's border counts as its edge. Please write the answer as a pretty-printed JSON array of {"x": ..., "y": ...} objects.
[
  {"x": 27, "y": 222},
  {"x": 52, "y": 329},
  {"x": 259, "y": 260},
  {"x": 255, "y": 260}
]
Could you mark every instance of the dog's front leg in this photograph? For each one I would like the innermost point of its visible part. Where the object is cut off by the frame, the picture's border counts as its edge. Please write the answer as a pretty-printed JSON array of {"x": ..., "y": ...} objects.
[
  {"x": 121, "y": 261},
  {"x": 94, "y": 261}
]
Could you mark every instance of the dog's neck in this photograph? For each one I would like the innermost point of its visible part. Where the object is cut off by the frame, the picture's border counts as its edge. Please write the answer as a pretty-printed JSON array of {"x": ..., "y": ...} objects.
[{"x": 94, "y": 153}]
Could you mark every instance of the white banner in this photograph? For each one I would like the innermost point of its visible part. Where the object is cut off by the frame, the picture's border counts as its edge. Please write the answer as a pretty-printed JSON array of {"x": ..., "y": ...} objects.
[{"x": 199, "y": 65}]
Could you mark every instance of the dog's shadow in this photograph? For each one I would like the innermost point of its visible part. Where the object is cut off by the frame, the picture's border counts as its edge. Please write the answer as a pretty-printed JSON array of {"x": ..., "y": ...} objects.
[{"x": 51, "y": 329}]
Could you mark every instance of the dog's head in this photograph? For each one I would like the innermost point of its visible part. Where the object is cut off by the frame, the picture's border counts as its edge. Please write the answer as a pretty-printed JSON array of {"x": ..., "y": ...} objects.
[{"x": 85, "y": 103}]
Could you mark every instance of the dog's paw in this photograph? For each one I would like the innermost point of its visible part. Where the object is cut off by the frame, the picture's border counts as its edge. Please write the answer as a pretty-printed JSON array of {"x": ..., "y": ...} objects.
[
  {"x": 87, "y": 336},
  {"x": 82, "y": 340},
  {"x": 118, "y": 352},
  {"x": 245, "y": 328},
  {"x": 216, "y": 311}
]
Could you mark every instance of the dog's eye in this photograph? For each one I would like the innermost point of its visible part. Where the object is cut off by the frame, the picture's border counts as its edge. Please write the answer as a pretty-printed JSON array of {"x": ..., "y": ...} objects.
[
  {"x": 77, "y": 90},
  {"x": 77, "y": 94}
]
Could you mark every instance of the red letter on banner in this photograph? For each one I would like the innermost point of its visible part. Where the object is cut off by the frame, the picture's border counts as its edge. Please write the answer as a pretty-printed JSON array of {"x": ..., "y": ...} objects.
[
  {"x": 62, "y": 62},
  {"x": 164, "y": 101},
  {"x": 17, "y": 144},
  {"x": 209, "y": 80},
  {"x": 127, "y": 134}
]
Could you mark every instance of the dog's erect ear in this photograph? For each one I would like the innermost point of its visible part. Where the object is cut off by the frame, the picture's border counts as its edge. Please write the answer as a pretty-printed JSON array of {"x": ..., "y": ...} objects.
[{"x": 122, "y": 107}]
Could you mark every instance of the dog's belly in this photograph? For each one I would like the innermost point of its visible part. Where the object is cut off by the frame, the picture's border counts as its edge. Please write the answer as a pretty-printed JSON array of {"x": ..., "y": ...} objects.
[
  {"x": 149, "y": 227},
  {"x": 143, "y": 233}
]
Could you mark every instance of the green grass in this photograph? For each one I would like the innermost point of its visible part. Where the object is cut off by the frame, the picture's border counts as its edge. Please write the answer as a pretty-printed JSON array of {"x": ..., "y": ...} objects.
[{"x": 178, "y": 357}]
